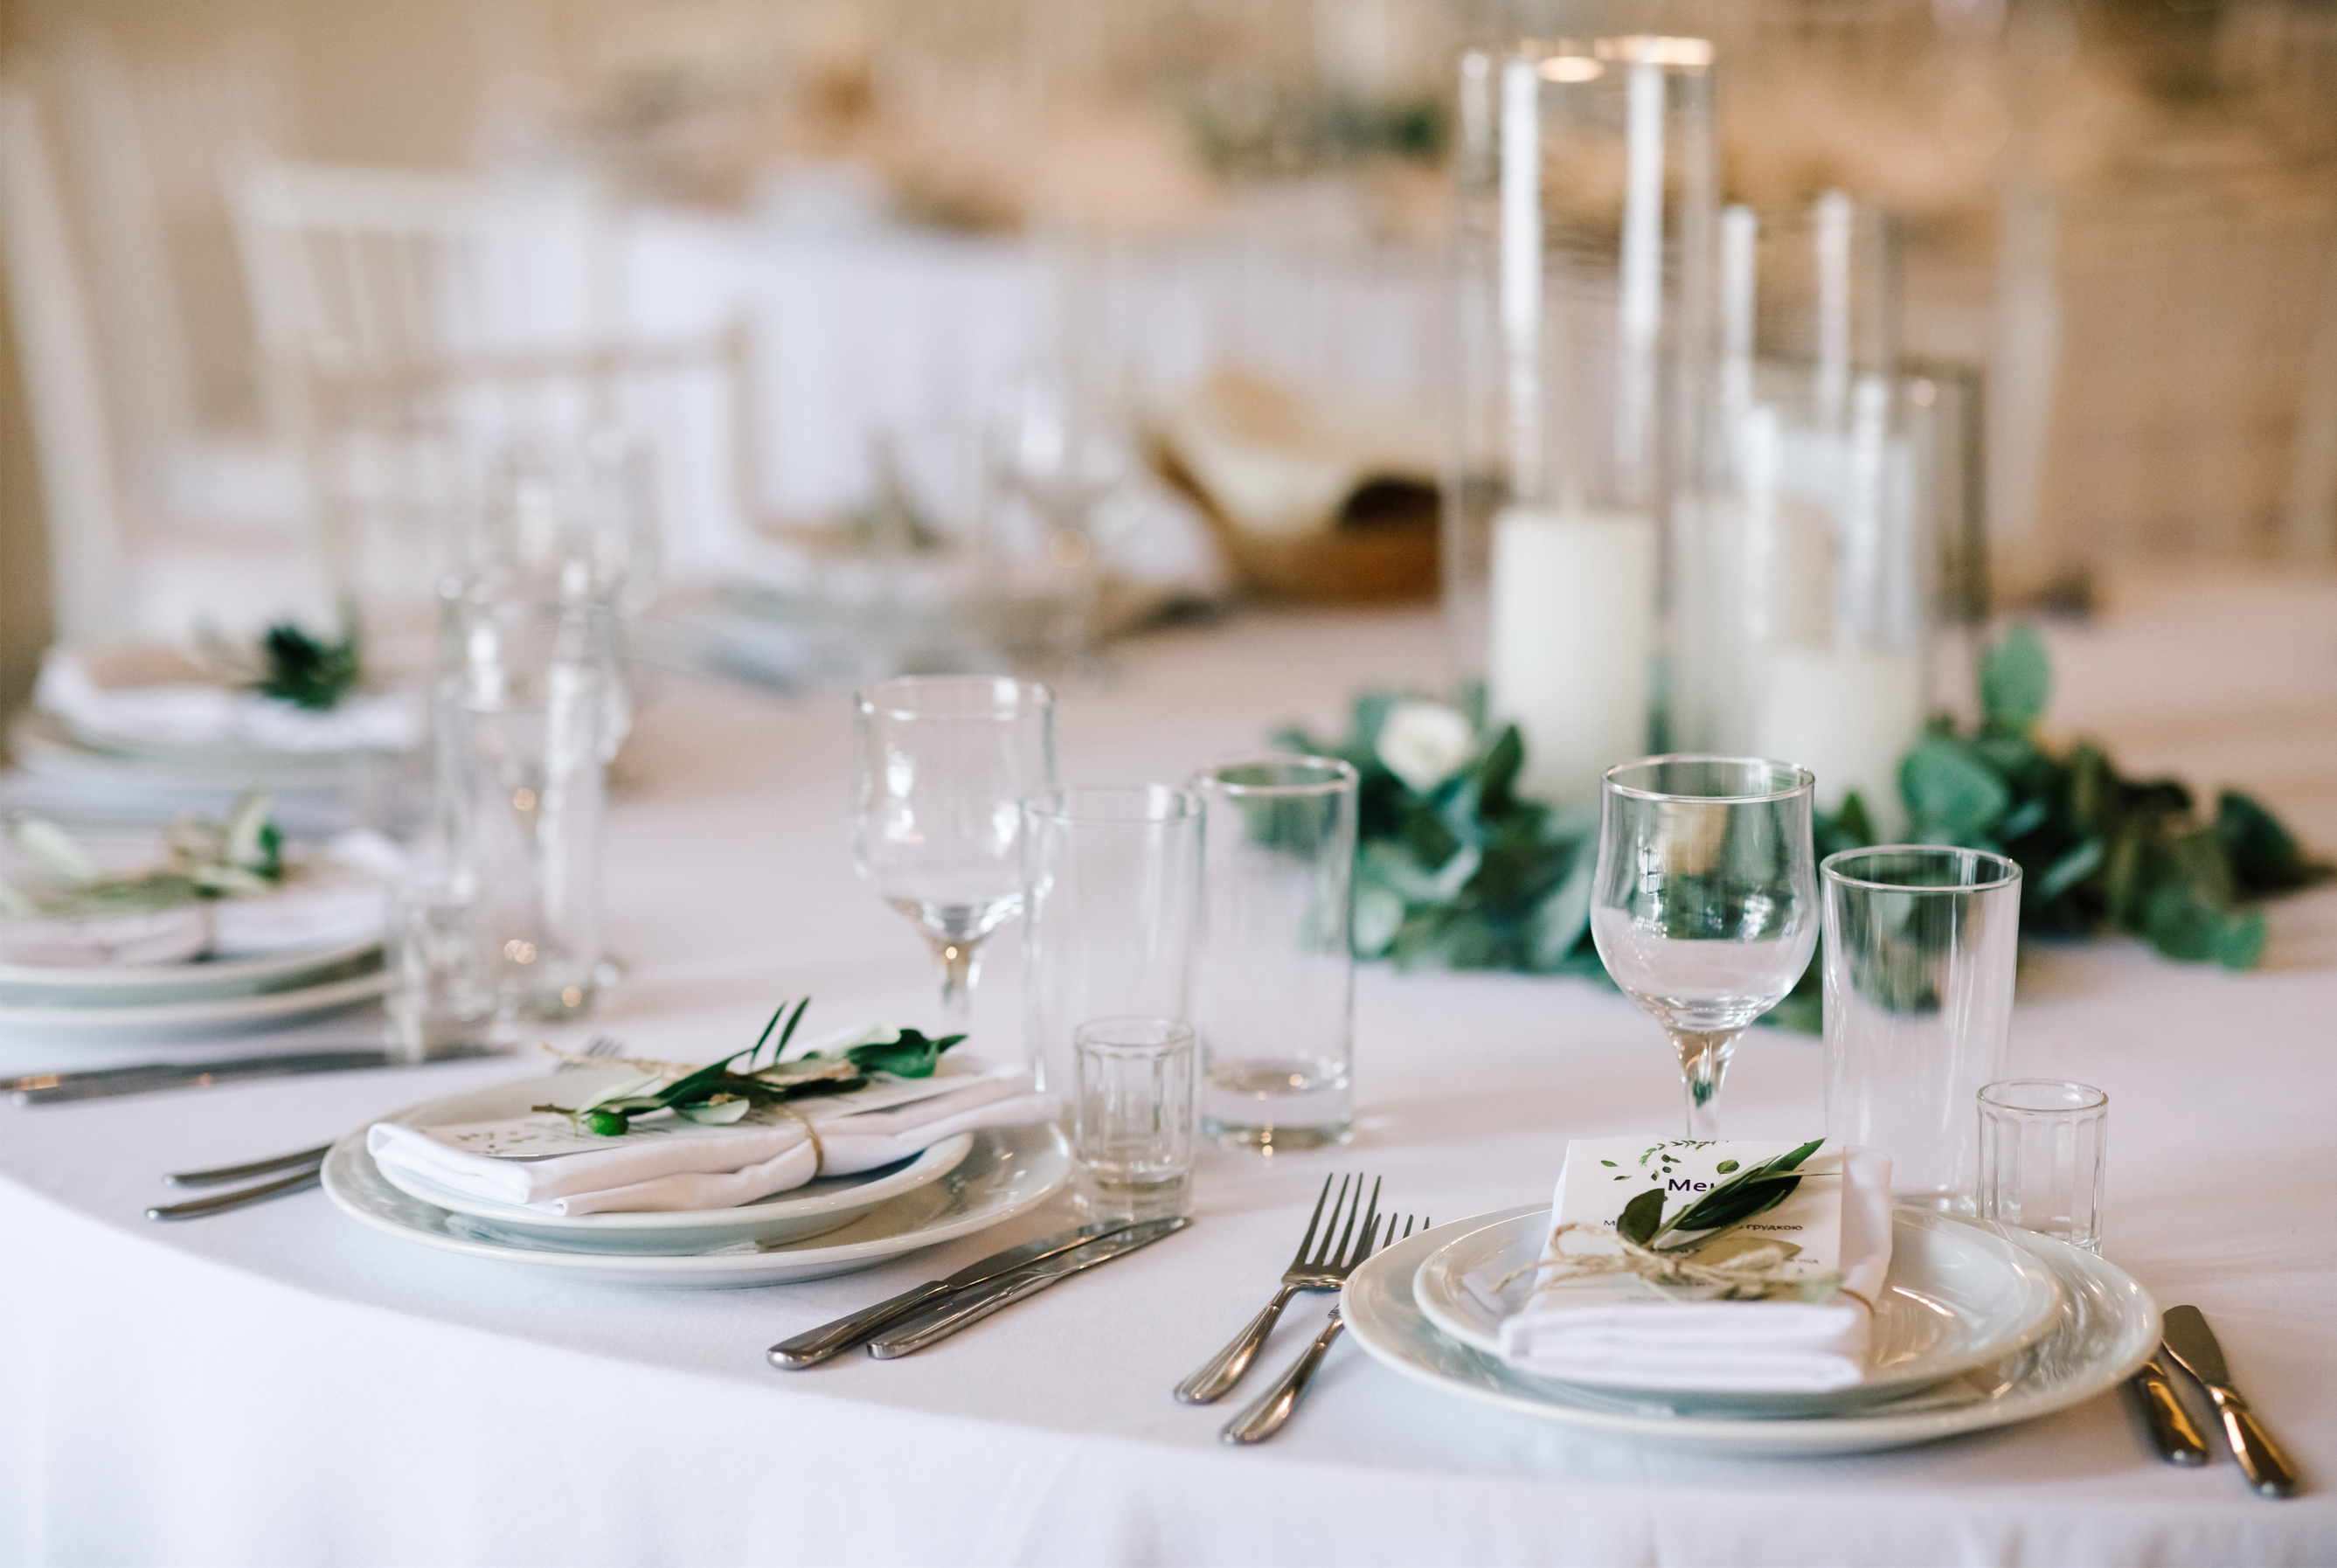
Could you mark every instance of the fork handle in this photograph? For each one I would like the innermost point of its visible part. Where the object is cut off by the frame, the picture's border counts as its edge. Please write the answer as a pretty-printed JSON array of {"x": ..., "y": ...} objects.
[
  {"x": 1265, "y": 1418},
  {"x": 1216, "y": 1378},
  {"x": 224, "y": 1201}
]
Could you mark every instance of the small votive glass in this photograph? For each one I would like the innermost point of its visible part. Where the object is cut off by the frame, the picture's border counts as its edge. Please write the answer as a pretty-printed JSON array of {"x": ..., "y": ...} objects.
[
  {"x": 1133, "y": 1117},
  {"x": 441, "y": 961},
  {"x": 2041, "y": 1147}
]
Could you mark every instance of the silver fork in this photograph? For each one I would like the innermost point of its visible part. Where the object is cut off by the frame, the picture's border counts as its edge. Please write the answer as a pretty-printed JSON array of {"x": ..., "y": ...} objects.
[
  {"x": 1323, "y": 1267},
  {"x": 1265, "y": 1418},
  {"x": 306, "y": 1165}
]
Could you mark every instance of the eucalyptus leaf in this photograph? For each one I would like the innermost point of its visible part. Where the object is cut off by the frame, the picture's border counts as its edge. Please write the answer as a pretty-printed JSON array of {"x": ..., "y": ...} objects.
[
  {"x": 2015, "y": 680},
  {"x": 718, "y": 1112},
  {"x": 1641, "y": 1217}
]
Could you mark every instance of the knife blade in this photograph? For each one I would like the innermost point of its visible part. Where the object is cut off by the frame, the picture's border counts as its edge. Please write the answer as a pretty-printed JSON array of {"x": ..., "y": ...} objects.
[
  {"x": 2196, "y": 1348},
  {"x": 943, "y": 1319},
  {"x": 2173, "y": 1433},
  {"x": 817, "y": 1345},
  {"x": 104, "y": 1082}
]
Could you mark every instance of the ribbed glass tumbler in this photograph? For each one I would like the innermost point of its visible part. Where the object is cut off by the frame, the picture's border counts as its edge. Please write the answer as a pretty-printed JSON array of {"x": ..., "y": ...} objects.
[{"x": 2041, "y": 1147}]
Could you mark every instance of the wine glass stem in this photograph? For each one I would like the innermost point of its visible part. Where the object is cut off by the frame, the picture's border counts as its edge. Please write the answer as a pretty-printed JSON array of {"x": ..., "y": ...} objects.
[
  {"x": 1703, "y": 1059},
  {"x": 960, "y": 963}
]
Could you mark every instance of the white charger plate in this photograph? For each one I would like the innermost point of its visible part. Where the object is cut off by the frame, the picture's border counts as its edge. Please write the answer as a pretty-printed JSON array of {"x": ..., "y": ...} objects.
[
  {"x": 2107, "y": 1328},
  {"x": 218, "y": 1015},
  {"x": 23, "y": 986},
  {"x": 1008, "y": 1171},
  {"x": 811, "y": 1209},
  {"x": 1957, "y": 1296}
]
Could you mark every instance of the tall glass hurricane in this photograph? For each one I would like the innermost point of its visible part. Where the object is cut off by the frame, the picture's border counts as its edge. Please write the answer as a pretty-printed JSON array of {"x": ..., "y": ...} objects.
[
  {"x": 941, "y": 767},
  {"x": 1706, "y": 905}
]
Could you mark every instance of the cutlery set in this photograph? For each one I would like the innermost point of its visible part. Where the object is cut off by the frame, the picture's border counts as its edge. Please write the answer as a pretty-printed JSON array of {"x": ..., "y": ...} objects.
[{"x": 2193, "y": 1347}]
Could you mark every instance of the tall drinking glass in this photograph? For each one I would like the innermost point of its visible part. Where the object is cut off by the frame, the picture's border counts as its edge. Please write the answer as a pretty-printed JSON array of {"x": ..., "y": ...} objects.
[
  {"x": 941, "y": 767},
  {"x": 1113, "y": 884},
  {"x": 1704, "y": 905},
  {"x": 530, "y": 779},
  {"x": 1920, "y": 941},
  {"x": 1275, "y": 994}
]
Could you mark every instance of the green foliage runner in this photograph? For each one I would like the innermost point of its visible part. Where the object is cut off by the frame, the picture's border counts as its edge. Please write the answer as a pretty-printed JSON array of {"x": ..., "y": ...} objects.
[{"x": 1457, "y": 871}]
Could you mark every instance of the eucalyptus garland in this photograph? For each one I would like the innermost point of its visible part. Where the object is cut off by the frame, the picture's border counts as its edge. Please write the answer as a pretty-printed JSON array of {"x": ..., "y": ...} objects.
[
  {"x": 1455, "y": 870},
  {"x": 238, "y": 856}
]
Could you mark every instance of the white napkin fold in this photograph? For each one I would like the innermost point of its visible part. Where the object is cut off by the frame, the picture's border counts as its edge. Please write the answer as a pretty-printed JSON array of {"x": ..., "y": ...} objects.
[
  {"x": 667, "y": 1164},
  {"x": 1595, "y": 1331},
  {"x": 181, "y": 708}
]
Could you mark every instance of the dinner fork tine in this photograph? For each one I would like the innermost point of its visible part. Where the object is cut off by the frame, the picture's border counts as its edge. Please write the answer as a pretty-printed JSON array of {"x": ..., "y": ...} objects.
[
  {"x": 1265, "y": 1418},
  {"x": 1314, "y": 1268}
]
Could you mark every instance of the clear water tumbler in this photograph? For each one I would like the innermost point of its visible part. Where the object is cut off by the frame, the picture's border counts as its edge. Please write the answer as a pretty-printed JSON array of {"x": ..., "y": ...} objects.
[
  {"x": 1112, "y": 893},
  {"x": 1920, "y": 944},
  {"x": 1275, "y": 987}
]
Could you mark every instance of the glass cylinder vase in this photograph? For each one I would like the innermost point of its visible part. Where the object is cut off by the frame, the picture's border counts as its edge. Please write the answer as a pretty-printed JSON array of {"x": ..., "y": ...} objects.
[
  {"x": 1803, "y": 578},
  {"x": 1582, "y": 256}
]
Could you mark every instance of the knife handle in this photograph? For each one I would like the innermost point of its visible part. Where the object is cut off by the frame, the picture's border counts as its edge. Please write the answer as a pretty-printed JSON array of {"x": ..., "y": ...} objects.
[
  {"x": 2173, "y": 1433},
  {"x": 942, "y": 1322},
  {"x": 829, "y": 1340},
  {"x": 2261, "y": 1461}
]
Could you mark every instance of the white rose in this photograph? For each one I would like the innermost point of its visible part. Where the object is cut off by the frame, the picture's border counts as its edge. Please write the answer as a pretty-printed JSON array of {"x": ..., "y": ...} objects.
[{"x": 1423, "y": 743}]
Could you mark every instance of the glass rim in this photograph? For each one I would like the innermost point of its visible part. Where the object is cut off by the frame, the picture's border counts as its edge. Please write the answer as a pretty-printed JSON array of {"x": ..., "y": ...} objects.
[
  {"x": 1609, "y": 782},
  {"x": 2092, "y": 1098},
  {"x": 1029, "y": 697},
  {"x": 1173, "y": 1032},
  {"x": 2006, "y": 876},
  {"x": 1341, "y": 775},
  {"x": 1055, "y": 805}
]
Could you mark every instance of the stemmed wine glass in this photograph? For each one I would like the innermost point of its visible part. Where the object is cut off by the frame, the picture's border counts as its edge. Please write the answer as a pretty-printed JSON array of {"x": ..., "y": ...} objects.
[
  {"x": 1704, "y": 902},
  {"x": 941, "y": 767}
]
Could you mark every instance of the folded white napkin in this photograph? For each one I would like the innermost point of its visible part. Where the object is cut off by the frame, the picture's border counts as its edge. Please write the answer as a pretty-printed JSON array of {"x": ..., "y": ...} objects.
[
  {"x": 170, "y": 701},
  {"x": 667, "y": 1164},
  {"x": 1621, "y": 1331}
]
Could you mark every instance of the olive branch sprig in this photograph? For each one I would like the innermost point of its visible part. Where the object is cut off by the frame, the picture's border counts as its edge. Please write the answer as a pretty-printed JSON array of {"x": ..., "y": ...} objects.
[{"x": 720, "y": 1094}]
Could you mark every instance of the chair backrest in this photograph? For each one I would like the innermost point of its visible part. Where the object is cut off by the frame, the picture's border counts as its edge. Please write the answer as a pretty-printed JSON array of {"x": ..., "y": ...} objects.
[{"x": 403, "y": 458}]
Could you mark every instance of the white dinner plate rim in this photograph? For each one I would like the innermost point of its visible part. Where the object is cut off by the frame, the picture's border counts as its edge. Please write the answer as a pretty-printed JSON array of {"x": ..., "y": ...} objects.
[
  {"x": 1851, "y": 1432},
  {"x": 239, "y": 975},
  {"x": 226, "y": 760},
  {"x": 2011, "y": 1342},
  {"x": 213, "y": 1013},
  {"x": 782, "y": 1264}
]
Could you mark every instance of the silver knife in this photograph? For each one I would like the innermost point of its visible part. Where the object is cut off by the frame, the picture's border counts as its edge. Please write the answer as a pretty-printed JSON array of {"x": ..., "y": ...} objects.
[
  {"x": 104, "y": 1082},
  {"x": 815, "y": 1346},
  {"x": 2173, "y": 1433},
  {"x": 2194, "y": 1345},
  {"x": 944, "y": 1318}
]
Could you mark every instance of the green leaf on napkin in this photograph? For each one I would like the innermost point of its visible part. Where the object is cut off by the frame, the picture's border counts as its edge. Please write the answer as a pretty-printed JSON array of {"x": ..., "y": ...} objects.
[
  {"x": 1741, "y": 1197},
  {"x": 1641, "y": 1217}
]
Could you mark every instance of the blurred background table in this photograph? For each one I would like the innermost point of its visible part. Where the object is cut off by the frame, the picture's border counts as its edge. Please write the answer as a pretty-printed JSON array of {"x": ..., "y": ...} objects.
[{"x": 279, "y": 1385}]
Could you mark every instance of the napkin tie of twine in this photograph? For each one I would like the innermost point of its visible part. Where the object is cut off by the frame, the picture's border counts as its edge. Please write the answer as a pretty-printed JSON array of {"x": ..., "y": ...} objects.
[
  {"x": 819, "y": 1150},
  {"x": 1750, "y": 1276}
]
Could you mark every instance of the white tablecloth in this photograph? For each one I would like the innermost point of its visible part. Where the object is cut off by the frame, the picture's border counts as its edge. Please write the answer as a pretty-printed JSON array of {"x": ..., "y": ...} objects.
[{"x": 280, "y": 1387}]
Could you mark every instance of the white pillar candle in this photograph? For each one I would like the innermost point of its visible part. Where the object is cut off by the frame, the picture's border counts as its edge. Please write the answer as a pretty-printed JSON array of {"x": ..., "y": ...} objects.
[
  {"x": 1848, "y": 717},
  {"x": 1573, "y": 631}
]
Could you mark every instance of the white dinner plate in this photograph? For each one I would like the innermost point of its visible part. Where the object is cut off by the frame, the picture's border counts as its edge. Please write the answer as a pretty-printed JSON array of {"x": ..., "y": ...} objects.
[
  {"x": 1957, "y": 1296},
  {"x": 197, "y": 980},
  {"x": 36, "y": 736},
  {"x": 2107, "y": 1328},
  {"x": 1008, "y": 1171},
  {"x": 811, "y": 1209},
  {"x": 215, "y": 1015}
]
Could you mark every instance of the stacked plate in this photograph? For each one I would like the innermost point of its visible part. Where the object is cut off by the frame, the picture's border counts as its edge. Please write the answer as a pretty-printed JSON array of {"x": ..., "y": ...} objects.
[
  {"x": 959, "y": 1186},
  {"x": 1979, "y": 1327},
  {"x": 196, "y": 998}
]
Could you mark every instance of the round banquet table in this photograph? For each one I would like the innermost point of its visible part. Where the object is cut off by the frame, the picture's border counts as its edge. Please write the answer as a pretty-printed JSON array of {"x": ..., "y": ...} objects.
[{"x": 280, "y": 1385}]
